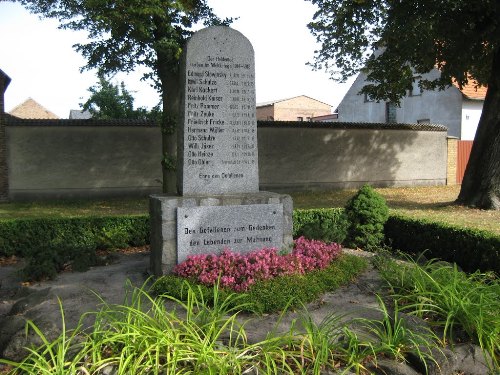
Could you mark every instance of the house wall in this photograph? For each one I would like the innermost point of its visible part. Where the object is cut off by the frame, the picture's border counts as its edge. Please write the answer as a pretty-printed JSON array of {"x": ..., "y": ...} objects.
[
  {"x": 301, "y": 106},
  {"x": 51, "y": 161},
  {"x": 439, "y": 107},
  {"x": 471, "y": 113},
  {"x": 265, "y": 112},
  {"x": 328, "y": 158}
]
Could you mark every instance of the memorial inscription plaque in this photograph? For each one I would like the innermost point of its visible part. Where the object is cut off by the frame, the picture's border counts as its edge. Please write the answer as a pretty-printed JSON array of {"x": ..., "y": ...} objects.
[
  {"x": 239, "y": 228},
  {"x": 219, "y": 133}
]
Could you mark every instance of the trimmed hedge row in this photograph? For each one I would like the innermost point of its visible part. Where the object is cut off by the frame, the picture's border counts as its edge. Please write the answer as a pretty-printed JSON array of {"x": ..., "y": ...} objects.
[
  {"x": 471, "y": 249},
  {"x": 56, "y": 241},
  {"x": 22, "y": 237},
  {"x": 50, "y": 244},
  {"x": 315, "y": 216}
]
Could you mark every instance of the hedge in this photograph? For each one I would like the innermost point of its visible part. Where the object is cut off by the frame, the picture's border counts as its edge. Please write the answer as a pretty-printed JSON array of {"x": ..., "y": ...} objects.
[
  {"x": 22, "y": 237},
  {"x": 471, "y": 249},
  {"x": 301, "y": 218},
  {"x": 51, "y": 243},
  {"x": 58, "y": 240}
]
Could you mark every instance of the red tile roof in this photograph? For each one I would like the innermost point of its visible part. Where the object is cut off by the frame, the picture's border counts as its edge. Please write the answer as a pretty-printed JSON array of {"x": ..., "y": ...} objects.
[{"x": 472, "y": 90}]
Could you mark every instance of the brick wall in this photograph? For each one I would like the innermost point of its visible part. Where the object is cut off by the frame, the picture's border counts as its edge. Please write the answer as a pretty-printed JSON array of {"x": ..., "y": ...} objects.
[
  {"x": 4, "y": 175},
  {"x": 301, "y": 106},
  {"x": 293, "y": 108},
  {"x": 451, "y": 167},
  {"x": 265, "y": 112}
]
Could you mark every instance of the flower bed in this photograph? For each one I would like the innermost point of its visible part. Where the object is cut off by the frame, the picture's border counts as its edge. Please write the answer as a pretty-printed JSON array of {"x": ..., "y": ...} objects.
[{"x": 239, "y": 271}]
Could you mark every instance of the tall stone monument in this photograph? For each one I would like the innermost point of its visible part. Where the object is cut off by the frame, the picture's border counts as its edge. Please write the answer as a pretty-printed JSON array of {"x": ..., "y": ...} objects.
[{"x": 220, "y": 205}]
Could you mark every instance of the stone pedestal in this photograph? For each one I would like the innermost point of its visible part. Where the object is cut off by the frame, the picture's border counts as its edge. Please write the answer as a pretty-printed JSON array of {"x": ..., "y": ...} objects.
[
  {"x": 220, "y": 206},
  {"x": 164, "y": 224}
]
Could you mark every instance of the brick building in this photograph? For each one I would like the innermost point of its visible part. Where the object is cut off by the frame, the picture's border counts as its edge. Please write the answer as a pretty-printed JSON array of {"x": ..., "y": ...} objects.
[
  {"x": 299, "y": 108},
  {"x": 32, "y": 109}
]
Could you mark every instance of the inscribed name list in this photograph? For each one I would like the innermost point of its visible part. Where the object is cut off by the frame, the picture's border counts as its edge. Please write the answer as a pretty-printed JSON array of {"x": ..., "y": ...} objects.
[
  {"x": 211, "y": 229},
  {"x": 220, "y": 127}
]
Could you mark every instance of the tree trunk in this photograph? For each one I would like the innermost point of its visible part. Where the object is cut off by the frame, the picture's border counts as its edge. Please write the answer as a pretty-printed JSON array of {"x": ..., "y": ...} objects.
[
  {"x": 170, "y": 116},
  {"x": 481, "y": 183}
]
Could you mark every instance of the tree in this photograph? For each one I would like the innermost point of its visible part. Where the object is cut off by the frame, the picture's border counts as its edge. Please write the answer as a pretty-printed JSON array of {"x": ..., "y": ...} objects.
[
  {"x": 124, "y": 34},
  {"x": 108, "y": 101},
  {"x": 459, "y": 37}
]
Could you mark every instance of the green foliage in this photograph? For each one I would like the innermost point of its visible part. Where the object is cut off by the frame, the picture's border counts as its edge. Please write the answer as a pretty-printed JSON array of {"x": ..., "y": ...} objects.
[
  {"x": 471, "y": 249},
  {"x": 145, "y": 335},
  {"x": 367, "y": 213},
  {"x": 49, "y": 244},
  {"x": 279, "y": 293},
  {"x": 359, "y": 27},
  {"x": 109, "y": 101},
  {"x": 451, "y": 299},
  {"x": 325, "y": 224}
]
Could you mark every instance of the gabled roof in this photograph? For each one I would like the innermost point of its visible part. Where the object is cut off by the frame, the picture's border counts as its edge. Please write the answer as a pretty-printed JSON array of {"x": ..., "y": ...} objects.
[
  {"x": 472, "y": 90},
  {"x": 32, "y": 109},
  {"x": 273, "y": 102},
  {"x": 76, "y": 114}
]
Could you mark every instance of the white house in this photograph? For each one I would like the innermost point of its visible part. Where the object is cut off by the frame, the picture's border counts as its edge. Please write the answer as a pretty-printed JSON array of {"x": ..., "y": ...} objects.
[{"x": 459, "y": 110}]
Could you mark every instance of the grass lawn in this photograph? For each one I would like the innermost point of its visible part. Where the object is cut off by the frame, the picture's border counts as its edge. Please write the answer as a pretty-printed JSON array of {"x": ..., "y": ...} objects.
[{"x": 434, "y": 203}]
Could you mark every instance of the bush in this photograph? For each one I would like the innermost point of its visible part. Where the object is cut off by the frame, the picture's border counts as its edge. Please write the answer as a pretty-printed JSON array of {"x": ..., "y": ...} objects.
[
  {"x": 324, "y": 224},
  {"x": 367, "y": 213},
  {"x": 49, "y": 244},
  {"x": 471, "y": 249}
]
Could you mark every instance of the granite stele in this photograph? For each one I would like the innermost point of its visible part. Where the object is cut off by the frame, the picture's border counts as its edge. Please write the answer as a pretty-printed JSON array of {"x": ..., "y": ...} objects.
[{"x": 220, "y": 205}]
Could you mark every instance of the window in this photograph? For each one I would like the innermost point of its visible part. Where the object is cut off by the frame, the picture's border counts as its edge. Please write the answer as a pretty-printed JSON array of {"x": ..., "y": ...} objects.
[
  {"x": 308, "y": 119},
  {"x": 424, "y": 121},
  {"x": 390, "y": 112},
  {"x": 300, "y": 118},
  {"x": 415, "y": 88}
]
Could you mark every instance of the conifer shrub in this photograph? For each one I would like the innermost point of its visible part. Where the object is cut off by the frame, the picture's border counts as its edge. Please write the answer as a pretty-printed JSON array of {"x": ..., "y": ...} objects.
[{"x": 367, "y": 213}]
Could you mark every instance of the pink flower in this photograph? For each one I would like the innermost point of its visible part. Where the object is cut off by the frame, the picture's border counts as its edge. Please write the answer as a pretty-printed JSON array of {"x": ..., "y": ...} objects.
[{"x": 240, "y": 271}]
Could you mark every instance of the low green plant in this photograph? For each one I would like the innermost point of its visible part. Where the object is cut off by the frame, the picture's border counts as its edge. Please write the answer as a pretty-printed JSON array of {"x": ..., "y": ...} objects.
[
  {"x": 395, "y": 340},
  {"x": 367, "y": 213},
  {"x": 278, "y": 293},
  {"x": 451, "y": 300},
  {"x": 142, "y": 336},
  {"x": 322, "y": 340},
  {"x": 61, "y": 356}
]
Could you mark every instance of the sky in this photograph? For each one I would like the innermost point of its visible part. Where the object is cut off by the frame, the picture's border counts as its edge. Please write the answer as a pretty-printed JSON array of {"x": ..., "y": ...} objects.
[{"x": 42, "y": 64}]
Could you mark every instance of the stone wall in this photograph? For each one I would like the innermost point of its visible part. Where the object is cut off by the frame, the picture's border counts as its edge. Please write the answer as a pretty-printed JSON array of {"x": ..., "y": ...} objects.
[
  {"x": 83, "y": 160},
  {"x": 78, "y": 159},
  {"x": 336, "y": 156}
]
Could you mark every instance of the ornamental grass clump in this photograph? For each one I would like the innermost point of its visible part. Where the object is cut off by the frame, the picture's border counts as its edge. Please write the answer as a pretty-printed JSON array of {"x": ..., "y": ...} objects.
[{"x": 239, "y": 271}]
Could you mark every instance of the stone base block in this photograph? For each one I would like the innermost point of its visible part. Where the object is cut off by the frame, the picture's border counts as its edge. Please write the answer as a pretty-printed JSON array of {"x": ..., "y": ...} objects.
[{"x": 163, "y": 219}]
